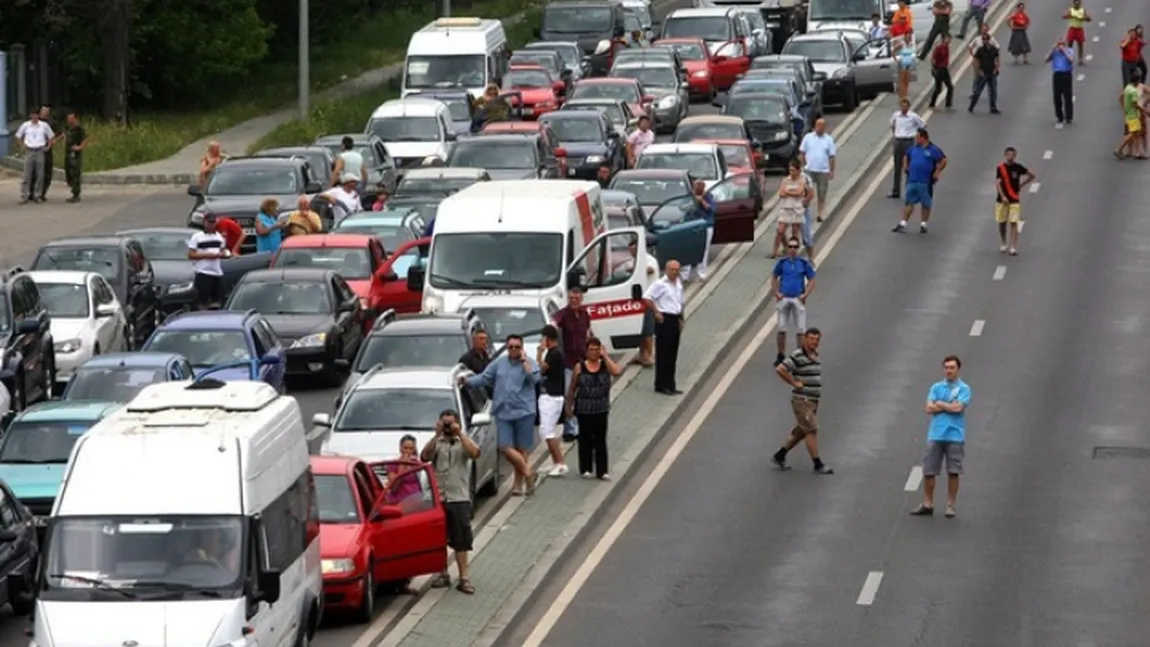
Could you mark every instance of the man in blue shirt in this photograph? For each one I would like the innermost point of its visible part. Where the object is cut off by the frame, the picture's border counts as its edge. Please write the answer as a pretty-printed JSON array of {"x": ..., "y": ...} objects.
[
  {"x": 793, "y": 280},
  {"x": 1061, "y": 58},
  {"x": 924, "y": 164},
  {"x": 946, "y": 404},
  {"x": 705, "y": 206}
]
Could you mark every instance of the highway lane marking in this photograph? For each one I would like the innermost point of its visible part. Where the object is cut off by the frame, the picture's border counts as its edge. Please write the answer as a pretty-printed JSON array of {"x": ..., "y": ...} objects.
[
  {"x": 1106, "y": 10},
  {"x": 1047, "y": 155},
  {"x": 1095, "y": 39},
  {"x": 1081, "y": 77},
  {"x": 1059, "y": 126},
  {"x": 976, "y": 328},
  {"x": 914, "y": 480},
  {"x": 1000, "y": 271},
  {"x": 869, "y": 589},
  {"x": 1034, "y": 185},
  {"x": 1102, "y": 24},
  {"x": 1089, "y": 57}
]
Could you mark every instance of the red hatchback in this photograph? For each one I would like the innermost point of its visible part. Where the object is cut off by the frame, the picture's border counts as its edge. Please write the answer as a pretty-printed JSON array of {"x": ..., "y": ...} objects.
[
  {"x": 706, "y": 74},
  {"x": 539, "y": 92},
  {"x": 373, "y": 532}
]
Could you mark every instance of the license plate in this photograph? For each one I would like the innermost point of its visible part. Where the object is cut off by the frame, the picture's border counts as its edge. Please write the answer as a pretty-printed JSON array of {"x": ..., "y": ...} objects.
[
  {"x": 249, "y": 231},
  {"x": 773, "y": 24}
]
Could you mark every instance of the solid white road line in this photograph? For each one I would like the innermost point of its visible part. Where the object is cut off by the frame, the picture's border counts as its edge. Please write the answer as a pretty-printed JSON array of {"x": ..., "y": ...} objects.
[
  {"x": 1000, "y": 271},
  {"x": 1034, "y": 185},
  {"x": 976, "y": 328},
  {"x": 914, "y": 480},
  {"x": 869, "y": 588},
  {"x": 1047, "y": 155},
  {"x": 1081, "y": 77}
]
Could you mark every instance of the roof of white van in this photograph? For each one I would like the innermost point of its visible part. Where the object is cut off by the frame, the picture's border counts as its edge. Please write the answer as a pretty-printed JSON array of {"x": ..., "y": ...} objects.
[
  {"x": 413, "y": 106},
  {"x": 447, "y": 36},
  {"x": 536, "y": 189},
  {"x": 512, "y": 205}
]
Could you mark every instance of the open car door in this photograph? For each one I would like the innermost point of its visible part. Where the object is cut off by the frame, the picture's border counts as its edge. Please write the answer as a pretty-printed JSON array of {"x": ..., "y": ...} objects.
[
  {"x": 410, "y": 527},
  {"x": 614, "y": 283},
  {"x": 738, "y": 200},
  {"x": 681, "y": 235}
]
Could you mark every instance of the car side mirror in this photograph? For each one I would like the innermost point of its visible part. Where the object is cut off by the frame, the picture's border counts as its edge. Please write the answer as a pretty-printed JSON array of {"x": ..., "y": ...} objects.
[
  {"x": 387, "y": 274},
  {"x": 341, "y": 364},
  {"x": 575, "y": 277},
  {"x": 450, "y": 137},
  {"x": 268, "y": 582},
  {"x": 321, "y": 420},
  {"x": 105, "y": 310},
  {"x": 313, "y": 187},
  {"x": 858, "y": 58},
  {"x": 480, "y": 419},
  {"x": 811, "y": 94},
  {"x": 8, "y": 535},
  {"x": 386, "y": 513},
  {"x": 415, "y": 278},
  {"x": 195, "y": 190}
]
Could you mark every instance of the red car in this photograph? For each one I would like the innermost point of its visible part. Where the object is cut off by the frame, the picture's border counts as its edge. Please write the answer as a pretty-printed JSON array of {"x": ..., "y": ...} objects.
[
  {"x": 629, "y": 91},
  {"x": 373, "y": 533},
  {"x": 540, "y": 92},
  {"x": 706, "y": 74}
]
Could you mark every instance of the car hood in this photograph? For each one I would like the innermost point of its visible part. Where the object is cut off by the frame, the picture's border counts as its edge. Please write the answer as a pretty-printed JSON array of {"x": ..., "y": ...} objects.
[
  {"x": 40, "y": 481},
  {"x": 532, "y": 95},
  {"x": 511, "y": 173},
  {"x": 828, "y": 68},
  {"x": 244, "y": 204},
  {"x": 659, "y": 93},
  {"x": 337, "y": 540},
  {"x": 371, "y": 445},
  {"x": 66, "y": 328},
  {"x": 588, "y": 41},
  {"x": 292, "y": 327},
  {"x": 141, "y": 622},
  {"x": 406, "y": 150},
  {"x": 172, "y": 272},
  {"x": 583, "y": 149}
]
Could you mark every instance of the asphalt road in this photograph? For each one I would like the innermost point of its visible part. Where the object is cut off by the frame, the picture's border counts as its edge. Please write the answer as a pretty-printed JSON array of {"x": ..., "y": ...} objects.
[{"x": 1049, "y": 545}]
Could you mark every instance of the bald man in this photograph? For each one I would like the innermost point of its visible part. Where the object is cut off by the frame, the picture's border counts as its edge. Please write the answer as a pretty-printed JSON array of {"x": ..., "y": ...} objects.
[
  {"x": 665, "y": 299},
  {"x": 817, "y": 153}
]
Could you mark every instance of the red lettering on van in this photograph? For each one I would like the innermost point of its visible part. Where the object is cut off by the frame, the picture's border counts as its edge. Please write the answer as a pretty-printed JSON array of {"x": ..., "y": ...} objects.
[{"x": 613, "y": 309}]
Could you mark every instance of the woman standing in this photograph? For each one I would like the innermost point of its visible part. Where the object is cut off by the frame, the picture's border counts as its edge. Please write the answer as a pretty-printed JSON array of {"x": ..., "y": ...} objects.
[
  {"x": 269, "y": 227},
  {"x": 904, "y": 58},
  {"x": 589, "y": 399},
  {"x": 1019, "y": 45},
  {"x": 794, "y": 194}
]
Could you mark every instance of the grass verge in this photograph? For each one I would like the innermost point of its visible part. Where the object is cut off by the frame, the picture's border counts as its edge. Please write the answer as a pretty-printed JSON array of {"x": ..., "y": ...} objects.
[{"x": 349, "y": 114}]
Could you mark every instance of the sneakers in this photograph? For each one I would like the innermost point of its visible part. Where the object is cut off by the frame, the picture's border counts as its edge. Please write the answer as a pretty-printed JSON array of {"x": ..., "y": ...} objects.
[
  {"x": 922, "y": 510},
  {"x": 951, "y": 512},
  {"x": 587, "y": 475},
  {"x": 780, "y": 358},
  {"x": 922, "y": 228},
  {"x": 900, "y": 227},
  {"x": 781, "y": 463},
  {"x": 1002, "y": 249},
  {"x": 824, "y": 470},
  {"x": 558, "y": 470}
]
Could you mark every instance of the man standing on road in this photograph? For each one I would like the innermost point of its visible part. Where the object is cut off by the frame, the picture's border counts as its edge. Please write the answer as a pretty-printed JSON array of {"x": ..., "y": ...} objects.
[
  {"x": 940, "y": 72},
  {"x": 803, "y": 371},
  {"x": 924, "y": 165},
  {"x": 574, "y": 325},
  {"x": 904, "y": 124},
  {"x": 1061, "y": 58},
  {"x": 49, "y": 162},
  {"x": 941, "y": 9},
  {"x": 639, "y": 140},
  {"x": 449, "y": 452},
  {"x": 977, "y": 11},
  {"x": 986, "y": 66},
  {"x": 75, "y": 141},
  {"x": 665, "y": 299},
  {"x": 946, "y": 404},
  {"x": 34, "y": 136},
  {"x": 205, "y": 249},
  {"x": 817, "y": 152},
  {"x": 792, "y": 281},
  {"x": 1009, "y": 178},
  {"x": 1132, "y": 113}
]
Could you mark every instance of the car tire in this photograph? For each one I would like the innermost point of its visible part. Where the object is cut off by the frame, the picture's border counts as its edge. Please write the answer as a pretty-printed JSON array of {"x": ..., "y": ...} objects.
[
  {"x": 491, "y": 488},
  {"x": 366, "y": 610},
  {"x": 20, "y": 596},
  {"x": 851, "y": 100}
]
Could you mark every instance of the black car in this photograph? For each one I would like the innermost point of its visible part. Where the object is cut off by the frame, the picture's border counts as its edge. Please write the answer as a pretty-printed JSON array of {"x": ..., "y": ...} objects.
[
  {"x": 28, "y": 361},
  {"x": 166, "y": 248},
  {"x": 124, "y": 265},
  {"x": 321, "y": 158},
  {"x": 802, "y": 65},
  {"x": 597, "y": 25},
  {"x": 381, "y": 168},
  {"x": 810, "y": 103},
  {"x": 768, "y": 118},
  {"x": 590, "y": 140},
  {"x": 19, "y": 553},
  {"x": 518, "y": 156},
  {"x": 439, "y": 181},
  {"x": 239, "y": 185},
  {"x": 313, "y": 311}
]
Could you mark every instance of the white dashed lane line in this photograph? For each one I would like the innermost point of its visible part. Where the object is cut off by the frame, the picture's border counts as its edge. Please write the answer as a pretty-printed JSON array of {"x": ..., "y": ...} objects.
[
  {"x": 999, "y": 274},
  {"x": 1089, "y": 57},
  {"x": 914, "y": 480},
  {"x": 1034, "y": 185},
  {"x": 1081, "y": 77},
  {"x": 870, "y": 588},
  {"x": 1095, "y": 39},
  {"x": 1102, "y": 24},
  {"x": 976, "y": 328},
  {"x": 1106, "y": 10},
  {"x": 1047, "y": 155}
]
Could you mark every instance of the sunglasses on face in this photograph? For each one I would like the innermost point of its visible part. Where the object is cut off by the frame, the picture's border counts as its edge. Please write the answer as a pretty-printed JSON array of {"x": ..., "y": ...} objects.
[
  {"x": 510, "y": 347},
  {"x": 792, "y": 246}
]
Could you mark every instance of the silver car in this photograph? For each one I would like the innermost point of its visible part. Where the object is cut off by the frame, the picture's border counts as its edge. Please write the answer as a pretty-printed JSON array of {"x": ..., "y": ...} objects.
[{"x": 670, "y": 102}]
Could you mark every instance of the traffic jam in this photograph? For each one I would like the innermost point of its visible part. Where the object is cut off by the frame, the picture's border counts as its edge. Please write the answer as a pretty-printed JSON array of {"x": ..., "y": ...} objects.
[{"x": 153, "y": 450}]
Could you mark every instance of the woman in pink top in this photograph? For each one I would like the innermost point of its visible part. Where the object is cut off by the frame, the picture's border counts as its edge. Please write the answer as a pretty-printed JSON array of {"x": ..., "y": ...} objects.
[{"x": 401, "y": 482}]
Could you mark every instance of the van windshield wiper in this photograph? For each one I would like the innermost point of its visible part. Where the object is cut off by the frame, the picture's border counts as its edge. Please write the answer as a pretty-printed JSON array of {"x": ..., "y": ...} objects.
[
  {"x": 510, "y": 282},
  {"x": 451, "y": 282},
  {"x": 99, "y": 584},
  {"x": 179, "y": 586}
]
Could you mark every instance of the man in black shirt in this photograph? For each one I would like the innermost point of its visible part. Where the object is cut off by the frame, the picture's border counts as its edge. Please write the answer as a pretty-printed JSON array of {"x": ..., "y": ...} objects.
[
  {"x": 477, "y": 358},
  {"x": 986, "y": 65},
  {"x": 1009, "y": 178},
  {"x": 550, "y": 360},
  {"x": 941, "y": 27}
]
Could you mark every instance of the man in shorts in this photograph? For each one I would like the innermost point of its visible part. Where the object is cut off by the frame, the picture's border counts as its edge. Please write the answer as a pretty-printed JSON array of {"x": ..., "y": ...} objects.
[
  {"x": 551, "y": 397},
  {"x": 792, "y": 280},
  {"x": 449, "y": 452},
  {"x": 802, "y": 371},
  {"x": 1077, "y": 18},
  {"x": 1009, "y": 178},
  {"x": 946, "y": 404},
  {"x": 205, "y": 249},
  {"x": 1132, "y": 113},
  {"x": 817, "y": 152},
  {"x": 924, "y": 164}
]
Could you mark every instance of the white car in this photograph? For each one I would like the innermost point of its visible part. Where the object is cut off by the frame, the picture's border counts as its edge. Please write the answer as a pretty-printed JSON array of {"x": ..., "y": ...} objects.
[
  {"x": 87, "y": 319},
  {"x": 702, "y": 161},
  {"x": 513, "y": 314}
]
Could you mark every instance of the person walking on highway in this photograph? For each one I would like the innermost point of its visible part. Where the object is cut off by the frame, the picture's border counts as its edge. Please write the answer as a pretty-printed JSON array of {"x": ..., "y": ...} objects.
[
  {"x": 940, "y": 72},
  {"x": 639, "y": 140},
  {"x": 1009, "y": 178},
  {"x": 941, "y": 10},
  {"x": 552, "y": 396},
  {"x": 34, "y": 137},
  {"x": 946, "y": 404},
  {"x": 1061, "y": 59},
  {"x": 986, "y": 66},
  {"x": 904, "y": 63},
  {"x": 902, "y": 21},
  {"x": 705, "y": 207},
  {"x": 665, "y": 298},
  {"x": 511, "y": 380},
  {"x": 75, "y": 141},
  {"x": 802, "y": 371},
  {"x": 208, "y": 163},
  {"x": 817, "y": 152},
  {"x": 1077, "y": 17},
  {"x": 904, "y": 125},
  {"x": 975, "y": 11},
  {"x": 450, "y": 452},
  {"x": 574, "y": 325},
  {"x": 1133, "y": 113},
  {"x": 795, "y": 195},
  {"x": 349, "y": 162},
  {"x": 1019, "y": 44},
  {"x": 589, "y": 399},
  {"x": 1131, "y": 48},
  {"x": 924, "y": 164},
  {"x": 792, "y": 281}
]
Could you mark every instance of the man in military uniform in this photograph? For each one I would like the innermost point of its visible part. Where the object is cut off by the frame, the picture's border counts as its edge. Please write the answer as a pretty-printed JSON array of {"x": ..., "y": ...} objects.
[
  {"x": 46, "y": 117},
  {"x": 75, "y": 140}
]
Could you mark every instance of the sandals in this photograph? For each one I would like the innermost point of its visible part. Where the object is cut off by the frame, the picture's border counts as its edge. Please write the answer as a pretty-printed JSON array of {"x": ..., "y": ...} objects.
[{"x": 465, "y": 586}]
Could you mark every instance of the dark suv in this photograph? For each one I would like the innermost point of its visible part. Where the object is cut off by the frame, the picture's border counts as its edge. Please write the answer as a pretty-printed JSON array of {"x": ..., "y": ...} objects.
[
  {"x": 597, "y": 25},
  {"x": 513, "y": 156},
  {"x": 28, "y": 367}
]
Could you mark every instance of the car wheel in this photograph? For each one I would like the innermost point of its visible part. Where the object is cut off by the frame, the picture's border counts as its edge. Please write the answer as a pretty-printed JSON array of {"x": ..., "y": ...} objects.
[
  {"x": 366, "y": 610},
  {"x": 851, "y": 101},
  {"x": 491, "y": 488}
]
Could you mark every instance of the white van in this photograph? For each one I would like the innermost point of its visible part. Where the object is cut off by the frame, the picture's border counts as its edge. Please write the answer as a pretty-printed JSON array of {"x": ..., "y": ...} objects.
[
  {"x": 187, "y": 517},
  {"x": 456, "y": 53},
  {"x": 412, "y": 129}
]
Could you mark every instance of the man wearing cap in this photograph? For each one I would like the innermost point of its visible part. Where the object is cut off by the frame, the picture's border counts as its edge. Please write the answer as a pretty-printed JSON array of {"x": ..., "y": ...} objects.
[
  {"x": 346, "y": 194},
  {"x": 205, "y": 249}
]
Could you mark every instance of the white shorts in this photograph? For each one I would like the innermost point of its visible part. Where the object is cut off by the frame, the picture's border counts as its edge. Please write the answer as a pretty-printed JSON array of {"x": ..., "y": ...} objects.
[{"x": 550, "y": 410}]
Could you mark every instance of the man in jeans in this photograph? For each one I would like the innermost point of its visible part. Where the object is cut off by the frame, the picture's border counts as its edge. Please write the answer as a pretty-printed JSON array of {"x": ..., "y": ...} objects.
[
  {"x": 986, "y": 66},
  {"x": 34, "y": 137},
  {"x": 574, "y": 324},
  {"x": 946, "y": 404},
  {"x": 941, "y": 9},
  {"x": 977, "y": 10},
  {"x": 449, "y": 452},
  {"x": 792, "y": 281}
]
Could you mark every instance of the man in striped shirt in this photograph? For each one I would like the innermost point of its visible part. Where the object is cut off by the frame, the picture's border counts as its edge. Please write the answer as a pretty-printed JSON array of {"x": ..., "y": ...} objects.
[{"x": 804, "y": 373}]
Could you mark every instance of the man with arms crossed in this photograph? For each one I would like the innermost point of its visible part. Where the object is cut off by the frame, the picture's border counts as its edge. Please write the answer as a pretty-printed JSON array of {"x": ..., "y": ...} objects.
[
  {"x": 449, "y": 452},
  {"x": 946, "y": 404}
]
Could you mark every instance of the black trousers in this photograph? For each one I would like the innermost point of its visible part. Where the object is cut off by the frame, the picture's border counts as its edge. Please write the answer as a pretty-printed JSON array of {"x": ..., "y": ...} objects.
[
  {"x": 666, "y": 352},
  {"x": 1064, "y": 96},
  {"x": 73, "y": 169},
  {"x": 593, "y": 443},
  {"x": 901, "y": 146},
  {"x": 941, "y": 80},
  {"x": 48, "y": 167}
]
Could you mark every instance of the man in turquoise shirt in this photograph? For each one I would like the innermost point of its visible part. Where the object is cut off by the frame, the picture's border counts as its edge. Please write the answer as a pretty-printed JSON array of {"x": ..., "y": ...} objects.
[{"x": 946, "y": 405}]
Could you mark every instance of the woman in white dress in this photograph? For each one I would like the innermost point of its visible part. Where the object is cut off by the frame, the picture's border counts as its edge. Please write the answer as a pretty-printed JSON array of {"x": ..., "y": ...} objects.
[{"x": 795, "y": 193}]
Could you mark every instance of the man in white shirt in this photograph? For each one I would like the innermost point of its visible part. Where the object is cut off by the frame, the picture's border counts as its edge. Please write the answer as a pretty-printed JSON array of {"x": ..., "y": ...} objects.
[
  {"x": 665, "y": 299},
  {"x": 346, "y": 195},
  {"x": 349, "y": 162},
  {"x": 817, "y": 152},
  {"x": 34, "y": 137},
  {"x": 904, "y": 124},
  {"x": 639, "y": 140},
  {"x": 205, "y": 249}
]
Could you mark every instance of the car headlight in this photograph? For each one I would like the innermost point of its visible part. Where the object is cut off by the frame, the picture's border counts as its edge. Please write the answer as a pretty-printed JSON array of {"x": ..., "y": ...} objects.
[
  {"x": 68, "y": 346},
  {"x": 667, "y": 102},
  {"x": 311, "y": 341},
  {"x": 595, "y": 159},
  {"x": 432, "y": 304},
  {"x": 337, "y": 566},
  {"x": 781, "y": 135},
  {"x": 700, "y": 74},
  {"x": 602, "y": 47},
  {"x": 840, "y": 73},
  {"x": 198, "y": 217}
]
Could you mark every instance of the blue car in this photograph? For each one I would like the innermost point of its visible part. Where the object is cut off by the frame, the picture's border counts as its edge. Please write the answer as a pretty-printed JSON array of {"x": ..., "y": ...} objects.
[
  {"x": 210, "y": 339},
  {"x": 36, "y": 446},
  {"x": 119, "y": 377}
]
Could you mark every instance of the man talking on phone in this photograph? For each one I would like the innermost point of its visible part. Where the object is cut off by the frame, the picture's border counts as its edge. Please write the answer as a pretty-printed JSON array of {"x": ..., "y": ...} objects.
[{"x": 449, "y": 452}]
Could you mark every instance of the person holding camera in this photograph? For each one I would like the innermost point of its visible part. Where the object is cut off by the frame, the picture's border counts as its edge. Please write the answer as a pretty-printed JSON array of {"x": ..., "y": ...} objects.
[{"x": 449, "y": 452}]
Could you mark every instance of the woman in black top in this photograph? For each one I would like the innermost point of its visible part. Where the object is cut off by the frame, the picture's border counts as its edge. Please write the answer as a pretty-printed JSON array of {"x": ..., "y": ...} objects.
[{"x": 590, "y": 401}]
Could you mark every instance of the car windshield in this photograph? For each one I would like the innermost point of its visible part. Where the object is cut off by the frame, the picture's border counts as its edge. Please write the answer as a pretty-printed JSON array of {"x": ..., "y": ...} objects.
[
  {"x": 649, "y": 77},
  {"x": 651, "y": 191},
  {"x": 699, "y": 165},
  {"x": 490, "y": 260},
  {"x": 459, "y": 107},
  {"x": 65, "y": 300},
  {"x": 405, "y": 129},
  {"x": 164, "y": 246},
  {"x": 819, "y": 51},
  {"x": 481, "y": 152},
  {"x": 577, "y": 20},
  {"x": 764, "y": 86},
  {"x": 775, "y": 64},
  {"x": 393, "y": 409},
  {"x": 736, "y": 155},
  {"x": 709, "y": 130},
  {"x": 227, "y": 180},
  {"x": 840, "y": 9},
  {"x": 434, "y": 185},
  {"x": 687, "y": 51},
  {"x": 632, "y": 23},
  {"x": 577, "y": 130},
  {"x": 501, "y": 322},
  {"x": 613, "y": 111},
  {"x": 410, "y": 351},
  {"x": 709, "y": 28},
  {"x": 625, "y": 92},
  {"x": 318, "y": 161},
  {"x": 336, "y": 500},
  {"x": 104, "y": 261},
  {"x": 527, "y": 79},
  {"x": 41, "y": 442},
  {"x": 391, "y": 234},
  {"x": 467, "y": 71},
  {"x": 115, "y": 384},
  {"x": 352, "y": 263},
  {"x": 122, "y": 557},
  {"x": 294, "y": 298},
  {"x": 203, "y": 348},
  {"x": 758, "y": 109}
]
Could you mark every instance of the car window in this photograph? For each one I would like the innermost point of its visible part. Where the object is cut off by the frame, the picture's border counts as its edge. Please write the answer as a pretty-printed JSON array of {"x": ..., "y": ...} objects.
[
  {"x": 342, "y": 289},
  {"x": 261, "y": 345},
  {"x": 102, "y": 292},
  {"x": 32, "y": 295},
  {"x": 266, "y": 335},
  {"x": 363, "y": 487}
]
